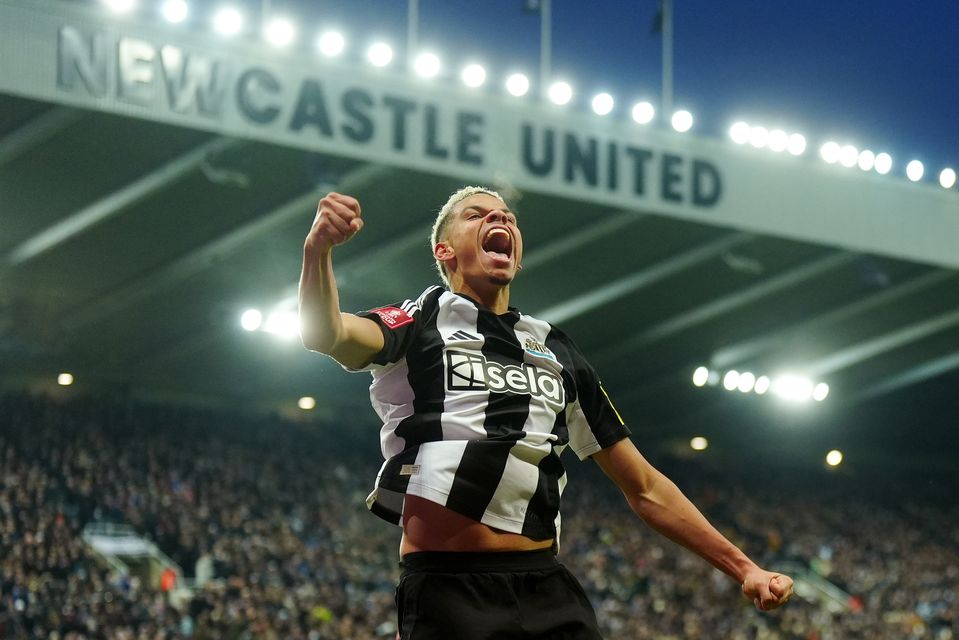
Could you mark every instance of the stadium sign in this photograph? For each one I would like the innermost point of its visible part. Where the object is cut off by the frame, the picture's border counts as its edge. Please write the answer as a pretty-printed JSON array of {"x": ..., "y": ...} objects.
[{"x": 73, "y": 55}]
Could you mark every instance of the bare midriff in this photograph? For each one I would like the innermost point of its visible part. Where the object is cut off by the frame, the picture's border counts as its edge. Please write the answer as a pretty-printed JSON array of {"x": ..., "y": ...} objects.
[{"x": 428, "y": 526}]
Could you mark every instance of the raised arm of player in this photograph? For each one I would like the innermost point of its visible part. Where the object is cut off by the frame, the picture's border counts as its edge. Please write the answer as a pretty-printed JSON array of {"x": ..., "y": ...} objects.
[
  {"x": 350, "y": 340},
  {"x": 660, "y": 503}
]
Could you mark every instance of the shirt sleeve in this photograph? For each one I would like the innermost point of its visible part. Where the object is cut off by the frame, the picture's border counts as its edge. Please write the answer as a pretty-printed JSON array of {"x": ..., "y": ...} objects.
[
  {"x": 592, "y": 420},
  {"x": 400, "y": 324}
]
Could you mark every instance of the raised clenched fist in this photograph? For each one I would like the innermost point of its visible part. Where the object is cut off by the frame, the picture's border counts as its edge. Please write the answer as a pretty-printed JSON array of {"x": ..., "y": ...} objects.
[{"x": 337, "y": 220}]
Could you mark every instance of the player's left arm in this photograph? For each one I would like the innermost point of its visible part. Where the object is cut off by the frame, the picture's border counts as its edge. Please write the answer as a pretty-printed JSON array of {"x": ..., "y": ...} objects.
[{"x": 660, "y": 503}]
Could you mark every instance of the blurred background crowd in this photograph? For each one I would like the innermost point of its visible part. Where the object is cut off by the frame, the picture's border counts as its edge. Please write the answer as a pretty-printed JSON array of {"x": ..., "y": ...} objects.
[{"x": 270, "y": 513}]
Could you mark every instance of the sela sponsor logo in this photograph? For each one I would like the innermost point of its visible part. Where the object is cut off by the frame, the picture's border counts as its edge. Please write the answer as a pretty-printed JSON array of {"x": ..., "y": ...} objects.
[
  {"x": 467, "y": 371},
  {"x": 538, "y": 349},
  {"x": 393, "y": 317}
]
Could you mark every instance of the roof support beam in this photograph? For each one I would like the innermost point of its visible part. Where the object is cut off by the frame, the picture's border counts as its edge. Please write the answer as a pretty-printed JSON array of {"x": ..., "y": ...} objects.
[
  {"x": 914, "y": 375},
  {"x": 36, "y": 132}
]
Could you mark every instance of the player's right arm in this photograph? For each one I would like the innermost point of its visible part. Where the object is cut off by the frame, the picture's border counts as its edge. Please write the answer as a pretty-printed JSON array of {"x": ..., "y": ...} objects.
[{"x": 350, "y": 340}]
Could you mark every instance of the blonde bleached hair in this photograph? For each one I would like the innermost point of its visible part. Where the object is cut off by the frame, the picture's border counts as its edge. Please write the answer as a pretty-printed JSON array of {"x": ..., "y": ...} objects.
[{"x": 442, "y": 221}]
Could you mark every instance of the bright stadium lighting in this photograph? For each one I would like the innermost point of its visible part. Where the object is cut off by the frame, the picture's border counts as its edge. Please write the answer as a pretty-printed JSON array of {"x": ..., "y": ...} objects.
[
  {"x": 700, "y": 376},
  {"x": 517, "y": 84},
  {"x": 747, "y": 381},
  {"x": 883, "y": 163},
  {"x": 602, "y": 104},
  {"x": 698, "y": 443},
  {"x": 682, "y": 121},
  {"x": 474, "y": 75},
  {"x": 379, "y": 54},
  {"x": 820, "y": 391},
  {"x": 175, "y": 11},
  {"x": 947, "y": 178},
  {"x": 560, "y": 93},
  {"x": 914, "y": 170},
  {"x": 285, "y": 324},
  {"x": 739, "y": 132},
  {"x": 331, "y": 43},
  {"x": 793, "y": 387},
  {"x": 762, "y": 385},
  {"x": 228, "y": 21},
  {"x": 730, "y": 380},
  {"x": 758, "y": 137},
  {"x": 251, "y": 319},
  {"x": 848, "y": 156},
  {"x": 120, "y": 6},
  {"x": 279, "y": 32},
  {"x": 65, "y": 379},
  {"x": 834, "y": 458},
  {"x": 643, "y": 112},
  {"x": 427, "y": 65},
  {"x": 830, "y": 152},
  {"x": 797, "y": 144},
  {"x": 867, "y": 160},
  {"x": 778, "y": 140},
  {"x": 306, "y": 403}
]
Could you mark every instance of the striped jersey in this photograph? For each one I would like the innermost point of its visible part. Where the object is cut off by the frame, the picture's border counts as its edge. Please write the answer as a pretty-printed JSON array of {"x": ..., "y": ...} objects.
[{"x": 476, "y": 410}]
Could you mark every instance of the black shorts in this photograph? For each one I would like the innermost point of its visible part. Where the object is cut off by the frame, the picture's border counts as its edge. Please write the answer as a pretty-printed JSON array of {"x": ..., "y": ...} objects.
[{"x": 513, "y": 595}]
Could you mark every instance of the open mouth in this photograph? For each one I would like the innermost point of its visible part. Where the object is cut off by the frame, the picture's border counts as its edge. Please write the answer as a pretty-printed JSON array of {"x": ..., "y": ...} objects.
[{"x": 498, "y": 244}]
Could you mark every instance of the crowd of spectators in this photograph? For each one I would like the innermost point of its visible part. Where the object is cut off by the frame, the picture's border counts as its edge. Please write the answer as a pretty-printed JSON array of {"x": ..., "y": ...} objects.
[{"x": 273, "y": 513}]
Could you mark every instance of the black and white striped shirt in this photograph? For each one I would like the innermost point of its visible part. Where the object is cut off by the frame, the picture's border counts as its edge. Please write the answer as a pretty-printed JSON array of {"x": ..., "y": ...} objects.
[{"x": 476, "y": 410}]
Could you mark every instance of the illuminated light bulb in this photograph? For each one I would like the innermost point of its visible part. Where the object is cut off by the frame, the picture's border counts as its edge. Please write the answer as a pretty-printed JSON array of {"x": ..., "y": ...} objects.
[
  {"x": 867, "y": 160},
  {"x": 746, "y": 382},
  {"x": 820, "y": 391},
  {"x": 331, "y": 43},
  {"x": 883, "y": 163},
  {"x": 700, "y": 376},
  {"x": 602, "y": 104},
  {"x": 778, "y": 140},
  {"x": 914, "y": 170},
  {"x": 758, "y": 137},
  {"x": 517, "y": 85},
  {"x": 830, "y": 152},
  {"x": 731, "y": 380},
  {"x": 947, "y": 178},
  {"x": 682, "y": 121},
  {"x": 834, "y": 458},
  {"x": 280, "y": 32},
  {"x": 65, "y": 379},
  {"x": 306, "y": 403},
  {"x": 739, "y": 132},
  {"x": 474, "y": 75},
  {"x": 175, "y": 11},
  {"x": 427, "y": 65},
  {"x": 797, "y": 144},
  {"x": 379, "y": 54},
  {"x": 560, "y": 93},
  {"x": 848, "y": 156},
  {"x": 120, "y": 6},
  {"x": 698, "y": 443},
  {"x": 762, "y": 385},
  {"x": 251, "y": 319},
  {"x": 228, "y": 21},
  {"x": 643, "y": 112}
]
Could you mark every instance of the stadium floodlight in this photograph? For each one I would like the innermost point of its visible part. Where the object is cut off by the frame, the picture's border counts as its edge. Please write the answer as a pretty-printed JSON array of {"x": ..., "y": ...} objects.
[
  {"x": 778, "y": 140},
  {"x": 762, "y": 385},
  {"x": 602, "y": 104},
  {"x": 560, "y": 93},
  {"x": 517, "y": 84},
  {"x": 331, "y": 43},
  {"x": 175, "y": 11},
  {"x": 698, "y": 443},
  {"x": 758, "y": 137},
  {"x": 682, "y": 121},
  {"x": 730, "y": 380},
  {"x": 914, "y": 170},
  {"x": 251, "y": 319},
  {"x": 797, "y": 144},
  {"x": 279, "y": 32},
  {"x": 830, "y": 152},
  {"x": 883, "y": 163},
  {"x": 379, "y": 54},
  {"x": 120, "y": 6},
  {"x": 228, "y": 21},
  {"x": 474, "y": 75},
  {"x": 867, "y": 160},
  {"x": 643, "y": 112},
  {"x": 427, "y": 65},
  {"x": 700, "y": 376},
  {"x": 65, "y": 379},
  {"x": 793, "y": 387},
  {"x": 848, "y": 156},
  {"x": 306, "y": 403},
  {"x": 285, "y": 324},
  {"x": 820, "y": 391},
  {"x": 747, "y": 381},
  {"x": 947, "y": 178},
  {"x": 834, "y": 458},
  {"x": 739, "y": 132}
]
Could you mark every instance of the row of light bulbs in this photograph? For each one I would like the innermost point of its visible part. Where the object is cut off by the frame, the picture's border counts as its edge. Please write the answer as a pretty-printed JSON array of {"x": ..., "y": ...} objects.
[
  {"x": 787, "y": 386},
  {"x": 281, "y": 32},
  {"x": 700, "y": 443}
]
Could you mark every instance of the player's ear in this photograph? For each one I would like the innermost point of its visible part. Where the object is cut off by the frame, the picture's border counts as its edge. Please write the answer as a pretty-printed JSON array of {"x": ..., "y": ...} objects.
[{"x": 443, "y": 251}]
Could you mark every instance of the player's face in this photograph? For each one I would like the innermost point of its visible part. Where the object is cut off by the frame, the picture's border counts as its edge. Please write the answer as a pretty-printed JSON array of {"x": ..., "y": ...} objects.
[{"x": 485, "y": 239}]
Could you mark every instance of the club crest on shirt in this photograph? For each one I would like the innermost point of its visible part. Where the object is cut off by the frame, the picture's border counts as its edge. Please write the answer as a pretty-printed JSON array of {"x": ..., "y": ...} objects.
[{"x": 538, "y": 349}]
